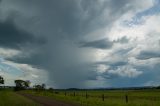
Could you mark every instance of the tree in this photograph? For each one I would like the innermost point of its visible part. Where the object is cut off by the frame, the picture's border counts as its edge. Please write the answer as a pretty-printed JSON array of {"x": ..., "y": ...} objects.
[
  {"x": 158, "y": 87},
  {"x": 21, "y": 84},
  {"x": 1, "y": 80},
  {"x": 43, "y": 86},
  {"x": 39, "y": 87}
]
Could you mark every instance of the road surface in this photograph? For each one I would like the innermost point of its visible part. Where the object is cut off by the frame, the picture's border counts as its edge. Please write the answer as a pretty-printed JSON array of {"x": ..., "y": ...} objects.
[{"x": 45, "y": 101}]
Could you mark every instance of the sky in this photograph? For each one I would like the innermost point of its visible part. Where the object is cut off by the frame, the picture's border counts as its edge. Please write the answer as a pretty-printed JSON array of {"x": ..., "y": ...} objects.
[{"x": 80, "y": 43}]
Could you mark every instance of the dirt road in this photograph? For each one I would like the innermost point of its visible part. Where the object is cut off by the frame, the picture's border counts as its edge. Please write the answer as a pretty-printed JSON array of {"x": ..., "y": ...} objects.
[{"x": 45, "y": 101}]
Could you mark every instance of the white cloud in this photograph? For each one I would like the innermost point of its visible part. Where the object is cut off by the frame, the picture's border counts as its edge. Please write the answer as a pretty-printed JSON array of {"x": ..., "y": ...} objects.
[
  {"x": 144, "y": 63},
  {"x": 8, "y": 53},
  {"x": 13, "y": 53},
  {"x": 138, "y": 32},
  {"x": 142, "y": 37},
  {"x": 24, "y": 72},
  {"x": 101, "y": 68},
  {"x": 125, "y": 71},
  {"x": 152, "y": 83},
  {"x": 141, "y": 5}
]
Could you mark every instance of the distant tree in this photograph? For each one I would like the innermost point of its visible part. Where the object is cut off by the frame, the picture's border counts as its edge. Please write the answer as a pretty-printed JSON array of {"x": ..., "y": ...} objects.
[
  {"x": 43, "y": 86},
  {"x": 1, "y": 80},
  {"x": 39, "y": 87},
  {"x": 21, "y": 84},
  {"x": 158, "y": 87},
  {"x": 50, "y": 89},
  {"x": 27, "y": 83}
]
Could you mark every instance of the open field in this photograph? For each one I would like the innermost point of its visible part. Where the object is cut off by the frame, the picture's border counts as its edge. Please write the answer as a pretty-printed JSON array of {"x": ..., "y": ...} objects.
[
  {"x": 105, "y": 98},
  {"x": 10, "y": 98},
  {"x": 84, "y": 98}
]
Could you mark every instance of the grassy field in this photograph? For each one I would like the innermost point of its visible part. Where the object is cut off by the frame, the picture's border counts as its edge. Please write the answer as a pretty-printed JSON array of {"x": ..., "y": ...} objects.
[
  {"x": 10, "y": 98},
  {"x": 86, "y": 98},
  {"x": 110, "y": 98}
]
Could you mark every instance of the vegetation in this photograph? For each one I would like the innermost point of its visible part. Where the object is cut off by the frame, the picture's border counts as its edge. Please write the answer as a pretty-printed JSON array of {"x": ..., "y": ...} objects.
[
  {"x": 111, "y": 98},
  {"x": 39, "y": 87},
  {"x": 133, "y": 97},
  {"x": 1, "y": 80},
  {"x": 10, "y": 98},
  {"x": 21, "y": 85}
]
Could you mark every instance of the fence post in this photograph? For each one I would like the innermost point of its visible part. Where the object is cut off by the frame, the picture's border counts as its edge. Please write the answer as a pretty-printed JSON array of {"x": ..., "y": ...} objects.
[
  {"x": 74, "y": 94},
  {"x": 126, "y": 98},
  {"x": 86, "y": 95},
  {"x": 102, "y": 97},
  {"x": 65, "y": 93}
]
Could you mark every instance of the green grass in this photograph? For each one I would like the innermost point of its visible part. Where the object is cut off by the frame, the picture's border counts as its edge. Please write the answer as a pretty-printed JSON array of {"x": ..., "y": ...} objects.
[
  {"x": 10, "y": 98},
  {"x": 112, "y": 98}
]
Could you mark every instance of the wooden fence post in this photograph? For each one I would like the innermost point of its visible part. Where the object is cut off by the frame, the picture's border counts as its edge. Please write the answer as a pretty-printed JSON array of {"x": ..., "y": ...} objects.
[
  {"x": 102, "y": 97},
  {"x": 86, "y": 95},
  {"x": 126, "y": 98},
  {"x": 65, "y": 93},
  {"x": 74, "y": 94}
]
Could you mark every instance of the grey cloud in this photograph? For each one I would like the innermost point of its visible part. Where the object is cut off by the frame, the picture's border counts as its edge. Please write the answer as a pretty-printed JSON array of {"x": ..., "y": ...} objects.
[
  {"x": 125, "y": 71},
  {"x": 147, "y": 55},
  {"x": 62, "y": 23},
  {"x": 13, "y": 37},
  {"x": 113, "y": 64},
  {"x": 122, "y": 40},
  {"x": 104, "y": 43},
  {"x": 101, "y": 44}
]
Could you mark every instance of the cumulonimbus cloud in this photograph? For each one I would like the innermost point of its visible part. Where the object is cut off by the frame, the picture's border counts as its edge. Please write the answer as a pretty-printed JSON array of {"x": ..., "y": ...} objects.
[{"x": 51, "y": 31}]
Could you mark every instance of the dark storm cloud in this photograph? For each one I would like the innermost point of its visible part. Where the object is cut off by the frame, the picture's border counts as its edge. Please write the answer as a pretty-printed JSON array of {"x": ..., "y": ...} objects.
[
  {"x": 63, "y": 23},
  {"x": 101, "y": 44},
  {"x": 104, "y": 43},
  {"x": 147, "y": 55},
  {"x": 13, "y": 37}
]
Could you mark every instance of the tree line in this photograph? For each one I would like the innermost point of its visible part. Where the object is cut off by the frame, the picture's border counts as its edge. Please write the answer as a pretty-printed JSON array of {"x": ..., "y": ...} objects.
[{"x": 23, "y": 84}]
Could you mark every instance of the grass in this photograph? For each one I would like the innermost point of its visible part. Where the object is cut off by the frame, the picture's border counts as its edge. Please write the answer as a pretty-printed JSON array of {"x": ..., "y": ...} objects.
[
  {"x": 112, "y": 98},
  {"x": 94, "y": 98},
  {"x": 10, "y": 98}
]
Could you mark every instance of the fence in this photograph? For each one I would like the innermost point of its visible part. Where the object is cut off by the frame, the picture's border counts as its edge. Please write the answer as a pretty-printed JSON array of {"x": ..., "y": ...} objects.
[
  {"x": 87, "y": 95},
  {"x": 107, "y": 98}
]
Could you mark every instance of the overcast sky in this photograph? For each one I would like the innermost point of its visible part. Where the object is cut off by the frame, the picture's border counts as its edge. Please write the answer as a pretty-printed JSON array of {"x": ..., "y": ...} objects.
[{"x": 80, "y": 43}]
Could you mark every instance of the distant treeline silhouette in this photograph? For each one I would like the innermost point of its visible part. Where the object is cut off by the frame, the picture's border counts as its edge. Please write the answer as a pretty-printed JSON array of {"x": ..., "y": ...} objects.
[{"x": 25, "y": 84}]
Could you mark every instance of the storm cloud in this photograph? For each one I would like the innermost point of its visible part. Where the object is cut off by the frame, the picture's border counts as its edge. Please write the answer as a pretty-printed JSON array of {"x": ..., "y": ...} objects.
[
  {"x": 79, "y": 43},
  {"x": 101, "y": 44},
  {"x": 148, "y": 54},
  {"x": 13, "y": 37}
]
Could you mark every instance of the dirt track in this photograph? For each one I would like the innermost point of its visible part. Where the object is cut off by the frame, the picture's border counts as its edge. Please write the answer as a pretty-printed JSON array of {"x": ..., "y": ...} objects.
[{"x": 45, "y": 101}]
